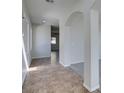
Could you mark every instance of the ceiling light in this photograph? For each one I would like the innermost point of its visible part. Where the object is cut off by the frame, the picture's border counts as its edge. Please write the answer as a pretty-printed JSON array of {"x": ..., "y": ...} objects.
[{"x": 44, "y": 21}]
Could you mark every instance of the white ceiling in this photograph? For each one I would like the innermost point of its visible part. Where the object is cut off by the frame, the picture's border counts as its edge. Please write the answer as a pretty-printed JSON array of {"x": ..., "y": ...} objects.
[{"x": 38, "y": 9}]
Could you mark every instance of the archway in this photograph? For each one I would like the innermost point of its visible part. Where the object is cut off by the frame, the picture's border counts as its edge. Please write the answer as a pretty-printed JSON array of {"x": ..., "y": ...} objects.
[
  {"x": 76, "y": 47},
  {"x": 82, "y": 46}
]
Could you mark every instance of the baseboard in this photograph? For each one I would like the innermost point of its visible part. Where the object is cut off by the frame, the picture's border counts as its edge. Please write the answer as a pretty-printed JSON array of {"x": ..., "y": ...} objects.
[
  {"x": 91, "y": 89},
  {"x": 71, "y": 63},
  {"x": 76, "y": 62},
  {"x": 64, "y": 64},
  {"x": 40, "y": 57},
  {"x": 96, "y": 87}
]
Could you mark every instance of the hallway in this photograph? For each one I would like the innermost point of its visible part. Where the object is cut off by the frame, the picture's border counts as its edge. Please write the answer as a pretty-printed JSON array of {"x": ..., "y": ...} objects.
[
  {"x": 44, "y": 77},
  {"x": 67, "y": 27},
  {"x": 54, "y": 57}
]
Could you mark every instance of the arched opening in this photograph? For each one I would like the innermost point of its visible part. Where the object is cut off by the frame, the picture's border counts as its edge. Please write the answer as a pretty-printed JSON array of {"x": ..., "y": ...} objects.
[
  {"x": 76, "y": 47},
  {"x": 74, "y": 15},
  {"x": 82, "y": 46}
]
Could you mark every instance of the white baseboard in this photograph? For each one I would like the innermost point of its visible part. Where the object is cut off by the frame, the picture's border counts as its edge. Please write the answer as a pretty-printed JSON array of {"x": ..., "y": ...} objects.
[
  {"x": 95, "y": 87},
  {"x": 91, "y": 89},
  {"x": 64, "y": 64},
  {"x": 76, "y": 62},
  {"x": 71, "y": 63},
  {"x": 40, "y": 57}
]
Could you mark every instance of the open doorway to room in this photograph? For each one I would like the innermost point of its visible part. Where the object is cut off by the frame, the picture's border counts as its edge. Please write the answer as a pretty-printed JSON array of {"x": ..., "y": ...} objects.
[{"x": 54, "y": 44}]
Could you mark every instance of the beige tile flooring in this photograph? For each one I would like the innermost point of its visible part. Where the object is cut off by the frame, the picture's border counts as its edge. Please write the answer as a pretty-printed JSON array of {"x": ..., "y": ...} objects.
[{"x": 44, "y": 77}]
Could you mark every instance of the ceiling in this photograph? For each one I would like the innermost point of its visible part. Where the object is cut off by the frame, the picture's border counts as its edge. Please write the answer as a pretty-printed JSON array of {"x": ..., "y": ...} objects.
[{"x": 40, "y": 9}]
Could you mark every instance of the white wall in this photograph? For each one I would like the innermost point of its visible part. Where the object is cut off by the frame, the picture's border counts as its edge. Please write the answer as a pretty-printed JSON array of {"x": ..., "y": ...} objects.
[
  {"x": 62, "y": 44},
  {"x": 80, "y": 6},
  {"x": 90, "y": 57},
  {"x": 41, "y": 41},
  {"x": 75, "y": 39},
  {"x": 95, "y": 48},
  {"x": 91, "y": 70},
  {"x": 26, "y": 41}
]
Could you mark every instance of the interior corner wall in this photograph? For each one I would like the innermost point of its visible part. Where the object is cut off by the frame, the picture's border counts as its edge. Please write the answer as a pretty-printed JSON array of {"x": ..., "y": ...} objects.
[{"x": 41, "y": 41}]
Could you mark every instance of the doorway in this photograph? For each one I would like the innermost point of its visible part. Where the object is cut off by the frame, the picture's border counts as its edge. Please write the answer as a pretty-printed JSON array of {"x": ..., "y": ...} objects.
[{"x": 54, "y": 44}]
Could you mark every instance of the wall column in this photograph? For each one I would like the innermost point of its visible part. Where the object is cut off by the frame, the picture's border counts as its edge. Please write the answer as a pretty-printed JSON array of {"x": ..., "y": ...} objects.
[{"x": 91, "y": 68}]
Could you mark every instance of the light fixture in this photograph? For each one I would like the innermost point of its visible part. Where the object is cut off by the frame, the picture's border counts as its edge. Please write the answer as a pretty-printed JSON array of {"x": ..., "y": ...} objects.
[
  {"x": 50, "y": 1},
  {"x": 44, "y": 21}
]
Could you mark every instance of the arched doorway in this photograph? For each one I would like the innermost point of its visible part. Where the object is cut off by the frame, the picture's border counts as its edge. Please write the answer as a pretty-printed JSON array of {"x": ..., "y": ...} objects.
[{"x": 76, "y": 47}]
